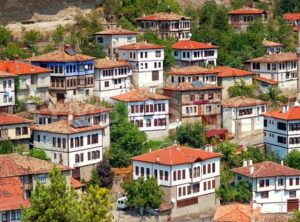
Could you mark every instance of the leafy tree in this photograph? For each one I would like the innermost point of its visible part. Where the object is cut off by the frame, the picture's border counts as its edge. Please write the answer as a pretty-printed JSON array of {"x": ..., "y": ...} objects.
[
  {"x": 229, "y": 157},
  {"x": 12, "y": 51},
  {"x": 31, "y": 37},
  {"x": 257, "y": 155},
  {"x": 53, "y": 202},
  {"x": 143, "y": 193},
  {"x": 93, "y": 49},
  {"x": 119, "y": 157},
  {"x": 119, "y": 113},
  {"x": 274, "y": 96},
  {"x": 236, "y": 4},
  {"x": 126, "y": 24},
  {"x": 5, "y": 36},
  {"x": 103, "y": 174},
  {"x": 58, "y": 34},
  {"x": 243, "y": 191},
  {"x": 296, "y": 217},
  {"x": 226, "y": 192},
  {"x": 38, "y": 153},
  {"x": 96, "y": 205},
  {"x": 292, "y": 159},
  {"x": 241, "y": 89},
  {"x": 6, "y": 147},
  {"x": 191, "y": 134}
]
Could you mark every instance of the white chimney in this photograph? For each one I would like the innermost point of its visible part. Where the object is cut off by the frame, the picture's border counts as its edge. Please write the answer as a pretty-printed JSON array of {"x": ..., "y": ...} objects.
[
  {"x": 244, "y": 163},
  {"x": 251, "y": 169},
  {"x": 254, "y": 205},
  {"x": 250, "y": 162},
  {"x": 150, "y": 150},
  {"x": 157, "y": 159},
  {"x": 70, "y": 117},
  {"x": 281, "y": 162}
]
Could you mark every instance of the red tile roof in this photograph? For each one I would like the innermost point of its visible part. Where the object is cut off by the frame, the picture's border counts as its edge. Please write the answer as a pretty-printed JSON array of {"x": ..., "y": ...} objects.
[
  {"x": 141, "y": 46},
  {"x": 17, "y": 165},
  {"x": 176, "y": 155},
  {"x": 291, "y": 16},
  {"x": 116, "y": 32},
  {"x": 246, "y": 11},
  {"x": 138, "y": 95},
  {"x": 242, "y": 101},
  {"x": 236, "y": 212},
  {"x": 191, "y": 70},
  {"x": 76, "y": 184},
  {"x": 263, "y": 79},
  {"x": 276, "y": 58},
  {"x": 292, "y": 114},
  {"x": 268, "y": 44},
  {"x": 12, "y": 194},
  {"x": 5, "y": 75},
  {"x": 110, "y": 63},
  {"x": 189, "y": 44},
  {"x": 10, "y": 119},
  {"x": 21, "y": 68},
  {"x": 266, "y": 169},
  {"x": 226, "y": 71},
  {"x": 65, "y": 127},
  {"x": 188, "y": 86},
  {"x": 215, "y": 132},
  {"x": 163, "y": 16}
]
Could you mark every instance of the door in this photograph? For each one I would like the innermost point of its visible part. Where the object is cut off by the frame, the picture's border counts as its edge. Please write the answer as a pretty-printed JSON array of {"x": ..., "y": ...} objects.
[
  {"x": 60, "y": 97},
  {"x": 292, "y": 205}
]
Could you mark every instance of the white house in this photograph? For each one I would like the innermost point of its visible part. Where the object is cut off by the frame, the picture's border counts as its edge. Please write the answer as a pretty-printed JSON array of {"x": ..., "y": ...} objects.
[
  {"x": 272, "y": 47},
  {"x": 264, "y": 84},
  {"x": 7, "y": 92},
  {"x": 187, "y": 52},
  {"x": 280, "y": 67},
  {"x": 146, "y": 61},
  {"x": 148, "y": 111},
  {"x": 282, "y": 130},
  {"x": 275, "y": 188},
  {"x": 188, "y": 178},
  {"x": 242, "y": 116},
  {"x": 112, "y": 77},
  {"x": 111, "y": 39},
  {"x": 74, "y": 143}
]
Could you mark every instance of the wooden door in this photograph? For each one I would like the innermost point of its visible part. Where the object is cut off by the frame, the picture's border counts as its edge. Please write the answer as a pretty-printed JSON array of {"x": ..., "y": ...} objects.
[{"x": 293, "y": 205}]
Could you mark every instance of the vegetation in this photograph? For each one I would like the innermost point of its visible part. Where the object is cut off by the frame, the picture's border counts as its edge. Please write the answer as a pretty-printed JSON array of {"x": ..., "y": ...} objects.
[
  {"x": 242, "y": 89},
  {"x": 292, "y": 159},
  {"x": 6, "y": 147},
  {"x": 38, "y": 153},
  {"x": 296, "y": 217},
  {"x": 275, "y": 96},
  {"x": 102, "y": 175}
]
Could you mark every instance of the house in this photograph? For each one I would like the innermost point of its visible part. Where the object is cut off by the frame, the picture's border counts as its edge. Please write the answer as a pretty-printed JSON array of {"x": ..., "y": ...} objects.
[
  {"x": 188, "y": 177},
  {"x": 94, "y": 114},
  {"x": 188, "y": 53},
  {"x": 264, "y": 84},
  {"x": 7, "y": 92},
  {"x": 293, "y": 19},
  {"x": 72, "y": 74},
  {"x": 228, "y": 76},
  {"x": 281, "y": 130},
  {"x": 11, "y": 199},
  {"x": 148, "y": 111},
  {"x": 28, "y": 171},
  {"x": 34, "y": 81},
  {"x": 16, "y": 129},
  {"x": 272, "y": 47},
  {"x": 275, "y": 188},
  {"x": 165, "y": 25},
  {"x": 111, "y": 39},
  {"x": 241, "y": 18},
  {"x": 146, "y": 62},
  {"x": 195, "y": 101},
  {"x": 280, "y": 67},
  {"x": 73, "y": 143},
  {"x": 236, "y": 212},
  {"x": 112, "y": 77},
  {"x": 192, "y": 73},
  {"x": 242, "y": 116}
]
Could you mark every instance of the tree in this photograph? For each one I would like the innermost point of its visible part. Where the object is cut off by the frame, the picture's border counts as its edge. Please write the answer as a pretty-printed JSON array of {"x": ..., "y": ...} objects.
[
  {"x": 5, "y": 36},
  {"x": 126, "y": 24},
  {"x": 104, "y": 174},
  {"x": 191, "y": 134},
  {"x": 93, "y": 49},
  {"x": 143, "y": 193},
  {"x": 292, "y": 159},
  {"x": 274, "y": 96},
  {"x": 241, "y": 89},
  {"x": 96, "y": 205},
  {"x": 119, "y": 113},
  {"x": 6, "y": 147},
  {"x": 31, "y": 37},
  {"x": 58, "y": 34},
  {"x": 226, "y": 192},
  {"x": 296, "y": 217},
  {"x": 38, "y": 153},
  {"x": 53, "y": 202},
  {"x": 243, "y": 191},
  {"x": 119, "y": 157},
  {"x": 229, "y": 157}
]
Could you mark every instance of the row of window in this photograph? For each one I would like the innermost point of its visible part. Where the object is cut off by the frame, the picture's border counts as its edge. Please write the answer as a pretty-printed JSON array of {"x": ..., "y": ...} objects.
[
  {"x": 61, "y": 142},
  {"x": 158, "y": 107},
  {"x": 7, "y": 84},
  {"x": 187, "y": 54},
  {"x": 132, "y": 55},
  {"x": 7, "y": 99},
  {"x": 195, "y": 188},
  {"x": 109, "y": 72},
  {"x": 10, "y": 215},
  {"x": 71, "y": 68},
  {"x": 145, "y": 65},
  {"x": 273, "y": 66},
  {"x": 21, "y": 131},
  {"x": 157, "y": 122},
  {"x": 93, "y": 155}
]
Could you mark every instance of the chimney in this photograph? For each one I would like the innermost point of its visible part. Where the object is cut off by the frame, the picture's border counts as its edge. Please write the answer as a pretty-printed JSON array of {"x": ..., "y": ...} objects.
[
  {"x": 250, "y": 162},
  {"x": 150, "y": 150},
  {"x": 70, "y": 117},
  {"x": 298, "y": 66},
  {"x": 157, "y": 159},
  {"x": 281, "y": 162},
  {"x": 244, "y": 163},
  {"x": 251, "y": 169}
]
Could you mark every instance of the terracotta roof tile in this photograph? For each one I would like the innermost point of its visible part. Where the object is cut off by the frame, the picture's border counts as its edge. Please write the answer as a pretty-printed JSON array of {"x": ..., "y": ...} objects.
[
  {"x": 266, "y": 169},
  {"x": 242, "y": 101},
  {"x": 246, "y": 11},
  {"x": 236, "y": 212},
  {"x": 21, "y": 68},
  {"x": 275, "y": 58},
  {"x": 141, "y": 46},
  {"x": 17, "y": 165},
  {"x": 188, "y": 86},
  {"x": 12, "y": 194},
  {"x": 76, "y": 184},
  {"x": 139, "y": 95},
  {"x": 189, "y": 44},
  {"x": 116, "y": 32},
  {"x": 263, "y": 79},
  {"x": 110, "y": 63},
  {"x": 60, "y": 55},
  {"x": 292, "y": 114},
  {"x": 267, "y": 44},
  {"x": 176, "y": 155},
  {"x": 291, "y": 16},
  {"x": 163, "y": 16},
  {"x": 64, "y": 127},
  {"x": 5, "y": 75},
  {"x": 74, "y": 108},
  {"x": 226, "y": 71},
  {"x": 10, "y": 119},
  {"x": 191, "y": 70},
  {"x": 215, "y": 132}
]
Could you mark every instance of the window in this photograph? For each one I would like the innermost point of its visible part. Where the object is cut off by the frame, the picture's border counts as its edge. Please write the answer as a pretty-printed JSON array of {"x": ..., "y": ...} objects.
[
  {"x": 179, "y": 191},
  {"x": 179, "y": 175},
  {"x": 281, "y": 126},
  {"x": 54, "y": 141},
  {"x": 155, "y": 75},
  {"x": 136, "y": 170},
  {"x": 213, "y": 167},
  {"x": 208, "y": 109},
  {"x": 280, "y": 182},
  {"x": 142, "y": 171},
  {"x": 297, "y": 181},
  {"x": 148, "y": 123},
  {"x": 292, "y": 193},
  {"x": 208, "y": 168},
  {"x": 25, "y": 130},
  {"x": 262, "y": 183},
  {"x": 76, "y": 158},
  {"x": 157, "y": 54},
  {"x": 166, "y": 175},
  {"x": 155, "y": 173},
  {"x": 148, "y": 172},
  {"x": 204, "y": 186},
  {"x": 267, "y": 183},
  {"x": 81, "y": 157},
  {"x": 18, "y": 131},
  {"x": 265, "y": 123},
  {"x": 38, "y": 138},
  {"x": 281, "y": 139},
  {"x": 106, "y": 84},
  {"x": 264, "y": 195},
  {"x": 291, "y": 181},
  {"x": 256, "y": 66},
  {"x": 213, "y": 185},
  {"x": 161, "y": 174},
  {"x": 174, "y": 175},
  {"x": 183, "y": 174},
  {"x": 41, "y": 178},
  {"x": 204, "y": 169}
]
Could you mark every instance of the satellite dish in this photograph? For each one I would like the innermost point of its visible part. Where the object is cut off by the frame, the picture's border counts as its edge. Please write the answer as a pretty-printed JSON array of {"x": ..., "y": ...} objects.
[{"x": 86, "y": 67}]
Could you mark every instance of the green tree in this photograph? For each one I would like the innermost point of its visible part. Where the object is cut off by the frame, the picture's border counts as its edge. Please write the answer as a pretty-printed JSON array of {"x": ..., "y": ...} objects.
[
  {"x": 126, "y": 24},
  {"x": 31, "y": 37},
  {"x": 5, "y": 36},
  {"x": 58, "y": 35},
  {"x": 6, "y": 147},
  {"x": 191, "y": 134},
  {"x": 241, "y": 89},
  {"x": 53, "y": 202},
  {"x": 102, "y": 174},
  {"x": 119, "y": 157},
  {"x": 143, "y": 193},
  {"x": 243, "y": 191},
  {"x": 93, "y": 49},
  {"x": 38, "y": 153},
  {"x": 96, "y": 205},
  {"x": 236, "y": 4},
  {"x": 274, "y": 96},
  {"x": 226, "y": 192},
  {"x": 229, "y": 158},
  {"x": 292, "y": 159},
  {"x": 119, "y": 113},
  {"x": 296, "y": 217}
]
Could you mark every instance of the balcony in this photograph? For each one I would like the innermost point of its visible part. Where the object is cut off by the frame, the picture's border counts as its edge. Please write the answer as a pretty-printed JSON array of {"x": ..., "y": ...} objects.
[{"x": 200, "y": 101}]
